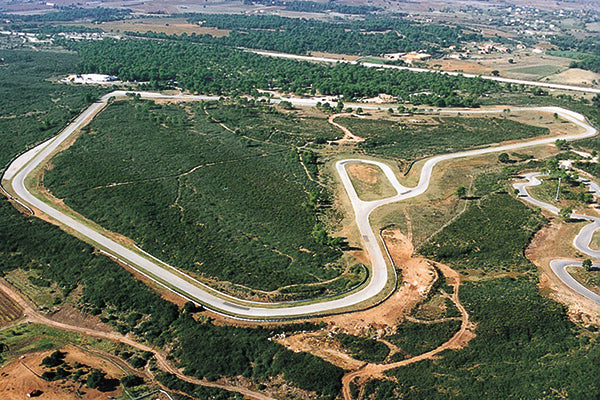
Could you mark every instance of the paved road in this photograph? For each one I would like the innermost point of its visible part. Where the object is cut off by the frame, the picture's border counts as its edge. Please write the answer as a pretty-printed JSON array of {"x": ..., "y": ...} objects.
[
  {"x": 413, "y": 69},
  {"x": 191, "y": 289},
  {"x": 581, "y": 241}
]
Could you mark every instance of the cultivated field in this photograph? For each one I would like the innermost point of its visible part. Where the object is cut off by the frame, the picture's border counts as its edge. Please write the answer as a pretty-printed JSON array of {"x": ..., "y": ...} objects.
[{"x": 9, "y": 310}]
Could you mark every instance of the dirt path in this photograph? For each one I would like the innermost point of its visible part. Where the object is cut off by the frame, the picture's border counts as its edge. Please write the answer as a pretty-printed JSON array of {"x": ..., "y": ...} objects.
[
  {"x": 349, "y": 137},
  {"x": 458, "y": 341},
  {"x": 33, "y": 316}
]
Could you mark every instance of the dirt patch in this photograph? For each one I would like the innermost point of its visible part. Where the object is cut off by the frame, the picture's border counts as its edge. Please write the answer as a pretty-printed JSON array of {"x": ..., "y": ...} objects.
[
  {"x": 366, "y": 173},
  {"x": 70, "y": 316},
  {"x": 416, "y": 275},
  {"x": 321, "y": 345},
  {"x": 575, "y": 76},
  {"x": 23, "y": 375}
]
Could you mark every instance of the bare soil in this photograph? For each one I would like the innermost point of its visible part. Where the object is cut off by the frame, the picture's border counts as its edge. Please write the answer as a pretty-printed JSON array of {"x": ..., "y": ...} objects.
[
  {"x": 575, "y": 76},
  {"x": 23, "y": 375}
]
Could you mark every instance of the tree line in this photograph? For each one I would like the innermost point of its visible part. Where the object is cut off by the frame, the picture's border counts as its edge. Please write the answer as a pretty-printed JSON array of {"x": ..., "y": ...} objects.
[{"x": 201, "y": 68}]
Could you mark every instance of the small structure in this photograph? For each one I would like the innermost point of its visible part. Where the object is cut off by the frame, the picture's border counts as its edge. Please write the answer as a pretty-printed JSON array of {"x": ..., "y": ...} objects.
[
  {"x": 34, "y": 393},
  {"x": 90, "y": 79},
  {"x": 413, "y": 56}
]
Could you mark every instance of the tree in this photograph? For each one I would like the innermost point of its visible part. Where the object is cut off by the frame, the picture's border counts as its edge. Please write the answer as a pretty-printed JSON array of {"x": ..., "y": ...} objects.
[
  {"x": 495, "y": 72},
  {"x": 131, "y": 381},
  {"x": 94, "y": 379},
  {"x": 461, "y": 192},
  {"x": 565, "y": 213},
  {"x": 587, "y": 264},
  {"x": 503, "y": 158}
]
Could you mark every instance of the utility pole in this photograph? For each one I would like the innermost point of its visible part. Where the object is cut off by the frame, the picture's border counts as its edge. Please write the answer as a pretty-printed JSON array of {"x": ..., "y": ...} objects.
[{"x": 558, "y": 189}]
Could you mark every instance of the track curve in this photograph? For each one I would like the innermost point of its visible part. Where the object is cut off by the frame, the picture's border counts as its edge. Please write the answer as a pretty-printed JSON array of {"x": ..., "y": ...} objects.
[
  {"x": 581, "y": 241},
  {"x": 16, "y": 174}
]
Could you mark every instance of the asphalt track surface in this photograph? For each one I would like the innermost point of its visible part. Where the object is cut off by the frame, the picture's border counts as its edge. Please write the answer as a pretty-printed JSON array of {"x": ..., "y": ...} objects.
[
  {"x": 581, "y": 241},
  {"x": 164, "y": 274}
]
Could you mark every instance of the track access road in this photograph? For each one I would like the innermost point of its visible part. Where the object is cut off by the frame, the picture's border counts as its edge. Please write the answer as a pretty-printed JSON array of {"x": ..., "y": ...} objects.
[
  {"x": 381, "y": 276},
  {"x": 581, "y": 241}
]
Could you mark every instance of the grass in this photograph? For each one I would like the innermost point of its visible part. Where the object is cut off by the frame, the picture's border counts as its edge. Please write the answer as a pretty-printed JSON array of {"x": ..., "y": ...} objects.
[
  {"x": 419, "y": 136},
  {"x": 370, "y": 182},
  {"x": 569, "y": 195},
  {"x": 540, "y": 70},
  {"x": 28, "y": 338},
  {"x": 29, "y": 282},
  {"x": 589, "y": 279},
  {"x": 364, "y": 349}
]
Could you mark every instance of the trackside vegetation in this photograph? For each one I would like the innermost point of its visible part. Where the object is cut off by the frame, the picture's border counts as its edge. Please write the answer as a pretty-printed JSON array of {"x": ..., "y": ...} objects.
[
  {"x": 414, "y": 137},
  {"x": 525, "y": 346},
  {"x": 229, "y": 206},
  {"x": 201, "y": 67},
  {"x": 96, "y": 284}
]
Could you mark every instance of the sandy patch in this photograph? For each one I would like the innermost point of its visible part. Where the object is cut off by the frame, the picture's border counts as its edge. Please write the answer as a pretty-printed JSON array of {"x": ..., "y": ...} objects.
[
  {"x": 416, "y": 276},
  {"x": 575, "y": 76},
  {"x": 20, "y": 376},
  {"x": 366, "y": 173}
]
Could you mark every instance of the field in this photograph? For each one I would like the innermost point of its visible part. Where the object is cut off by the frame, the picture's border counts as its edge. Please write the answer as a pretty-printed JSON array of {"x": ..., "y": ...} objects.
[
  {"x": 9, "y": 311},
  {"x": 170, "y": 26},
  {"x": 420, "y": 136},
  {"x": 369, "y": 182}
]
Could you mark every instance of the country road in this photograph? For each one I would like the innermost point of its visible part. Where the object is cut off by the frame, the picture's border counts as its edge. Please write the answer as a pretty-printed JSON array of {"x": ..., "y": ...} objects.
[
  {"x": 547, "y": 85},
  {"x": 381, "y": 278},
  {"x": 581, "y": 241}
]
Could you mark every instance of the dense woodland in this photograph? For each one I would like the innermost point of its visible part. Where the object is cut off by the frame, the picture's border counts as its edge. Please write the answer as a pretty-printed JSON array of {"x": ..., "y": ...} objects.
[
  {"x": 230, "y": 206},
  {"x": 70, "y": 13},
  {"x": 371, "y": 36},
  {"x": 200, "y": 68}
]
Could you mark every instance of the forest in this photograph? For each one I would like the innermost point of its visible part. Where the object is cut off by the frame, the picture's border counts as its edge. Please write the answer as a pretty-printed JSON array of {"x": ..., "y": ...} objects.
[
  {"x": 371, "y": 36},
  {"x": 200, "y": 68},
  {"x": 104, "y": 288},
  {"x": 149, "y": 171},
  {"x": 312, "y": 6},
  {"x": 70, "y": 13}
]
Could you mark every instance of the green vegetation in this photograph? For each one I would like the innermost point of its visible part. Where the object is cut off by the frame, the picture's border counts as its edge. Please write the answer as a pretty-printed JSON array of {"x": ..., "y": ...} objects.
[
  {"x": 200, "y": 68},
  {"x": 417, "y": 338},
  {"x": 364, "y": 349},
  {"x": 42, "y": 108},
  {"x": 300, "y": 36},
  {"x": 171, "y": 381},
  {"x": 70, "y": 13},
  {"x": 525, "y": 346},
  {"x": 505, "y": 223},
  {"x": 400, "y": 139},
  {"x": 193, "y": 194}
]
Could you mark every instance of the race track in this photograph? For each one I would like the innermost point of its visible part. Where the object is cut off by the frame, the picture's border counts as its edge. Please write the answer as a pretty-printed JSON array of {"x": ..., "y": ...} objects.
[
  {"x": 581, "y": 241},
  {"x": 381, "y": 278}
]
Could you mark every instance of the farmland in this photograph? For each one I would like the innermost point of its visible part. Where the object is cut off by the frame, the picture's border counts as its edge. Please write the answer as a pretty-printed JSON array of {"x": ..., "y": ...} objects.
[{"x": 9, "y": 310}]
